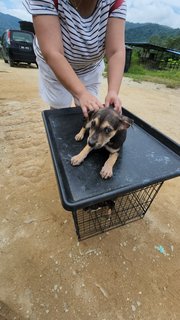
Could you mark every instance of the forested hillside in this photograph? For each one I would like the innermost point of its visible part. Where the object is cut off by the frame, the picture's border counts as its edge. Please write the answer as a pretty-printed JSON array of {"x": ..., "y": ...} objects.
[
  {"x": 154, "y": 33},
  {"x": 8, "y": 22},
  {"x": 142, "y": 32}
]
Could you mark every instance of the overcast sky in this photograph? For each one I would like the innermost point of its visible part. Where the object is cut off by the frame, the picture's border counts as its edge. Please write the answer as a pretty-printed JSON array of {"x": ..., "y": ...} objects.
[{"x": 165, "y": 12}]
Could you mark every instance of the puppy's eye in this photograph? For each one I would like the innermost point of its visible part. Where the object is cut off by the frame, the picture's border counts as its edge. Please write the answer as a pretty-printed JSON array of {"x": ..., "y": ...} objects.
[
  {"x": 93, "y": 123},
  {"x": 107, "y": 130}
]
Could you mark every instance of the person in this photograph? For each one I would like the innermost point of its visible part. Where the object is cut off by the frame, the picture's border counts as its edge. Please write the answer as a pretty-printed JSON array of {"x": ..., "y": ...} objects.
[{"x": 70, "y": 45}]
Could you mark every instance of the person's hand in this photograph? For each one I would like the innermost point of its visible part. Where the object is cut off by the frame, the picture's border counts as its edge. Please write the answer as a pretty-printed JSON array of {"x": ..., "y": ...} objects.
[
  {"x": 88, "y": 102},
  {"x": 112, "y": 98}
]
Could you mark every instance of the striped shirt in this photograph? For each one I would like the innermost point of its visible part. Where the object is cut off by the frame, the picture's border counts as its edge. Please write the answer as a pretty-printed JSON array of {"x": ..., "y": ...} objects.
[{"x": 83, "y": 38}]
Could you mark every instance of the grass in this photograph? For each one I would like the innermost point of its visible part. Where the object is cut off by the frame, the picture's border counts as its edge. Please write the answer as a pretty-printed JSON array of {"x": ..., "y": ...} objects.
[{"x": 138, "y": 72}]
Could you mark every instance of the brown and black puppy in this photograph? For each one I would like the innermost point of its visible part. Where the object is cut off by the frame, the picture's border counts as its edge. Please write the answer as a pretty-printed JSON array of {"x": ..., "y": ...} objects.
[{"x": 107, "y": 129}]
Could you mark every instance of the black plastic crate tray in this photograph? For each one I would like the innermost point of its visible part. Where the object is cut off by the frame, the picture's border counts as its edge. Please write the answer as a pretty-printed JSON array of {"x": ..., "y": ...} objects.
[{"x": 147, "y": 157}]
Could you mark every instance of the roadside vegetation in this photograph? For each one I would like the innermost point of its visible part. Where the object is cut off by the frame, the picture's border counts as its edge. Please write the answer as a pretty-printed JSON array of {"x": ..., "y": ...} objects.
[{"x": 140, "y": 72}]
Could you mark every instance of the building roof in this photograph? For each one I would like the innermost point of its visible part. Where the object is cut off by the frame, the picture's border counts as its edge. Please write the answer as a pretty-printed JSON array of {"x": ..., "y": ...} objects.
[
  {"x": 152, "y": 46},
  {"x": 173, "y": 51}
]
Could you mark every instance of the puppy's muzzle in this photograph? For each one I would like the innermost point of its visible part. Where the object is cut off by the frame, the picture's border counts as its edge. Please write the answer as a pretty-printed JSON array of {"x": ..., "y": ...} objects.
[{"x": 91, "y": 143}]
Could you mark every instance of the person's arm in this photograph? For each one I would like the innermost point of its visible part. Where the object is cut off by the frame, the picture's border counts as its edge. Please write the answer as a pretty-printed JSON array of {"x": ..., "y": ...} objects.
[
  {"x": 115, "y": 53},
  {"x": 49, "y": 37}
]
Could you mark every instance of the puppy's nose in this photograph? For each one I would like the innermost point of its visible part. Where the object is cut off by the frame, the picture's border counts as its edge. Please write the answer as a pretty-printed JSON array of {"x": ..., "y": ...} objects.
[{"x": 91, "y": 143}]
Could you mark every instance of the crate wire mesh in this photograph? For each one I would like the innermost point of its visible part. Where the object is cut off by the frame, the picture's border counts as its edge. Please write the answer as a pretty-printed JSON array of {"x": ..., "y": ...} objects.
[{"x": 117, "y": 212}]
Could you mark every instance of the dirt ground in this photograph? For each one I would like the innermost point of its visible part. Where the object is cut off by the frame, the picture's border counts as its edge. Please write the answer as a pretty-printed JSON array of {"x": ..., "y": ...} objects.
[{"x": 45, "y": 273}]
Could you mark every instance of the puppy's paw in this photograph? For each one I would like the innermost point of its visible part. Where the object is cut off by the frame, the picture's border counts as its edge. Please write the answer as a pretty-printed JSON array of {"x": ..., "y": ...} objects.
[
  {"x": 106, "y": 172},
  {"x": 76, "y": 160},
  {"x": 79, "y": 136}
]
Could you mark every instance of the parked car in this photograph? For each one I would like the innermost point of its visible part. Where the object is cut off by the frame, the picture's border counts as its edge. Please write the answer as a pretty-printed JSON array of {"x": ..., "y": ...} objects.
[{"x": 17, "y": 46}]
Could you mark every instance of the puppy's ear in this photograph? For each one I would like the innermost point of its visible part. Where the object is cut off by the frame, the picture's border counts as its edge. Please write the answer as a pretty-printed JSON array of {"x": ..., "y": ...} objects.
[
  {"x": 91, "y": 115},
  {"x": 125, "y": 122}
]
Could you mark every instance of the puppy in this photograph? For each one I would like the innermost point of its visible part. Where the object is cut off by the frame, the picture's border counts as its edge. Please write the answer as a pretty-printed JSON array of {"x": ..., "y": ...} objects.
[{"x": 107, "y": 129}]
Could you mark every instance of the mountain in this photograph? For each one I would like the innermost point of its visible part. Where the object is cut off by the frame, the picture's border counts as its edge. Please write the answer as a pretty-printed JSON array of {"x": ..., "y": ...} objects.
[
  {"x": 135, "y": 32},
  {"x": 142, "y": 32},
  {"x": 8, "y": 22}
]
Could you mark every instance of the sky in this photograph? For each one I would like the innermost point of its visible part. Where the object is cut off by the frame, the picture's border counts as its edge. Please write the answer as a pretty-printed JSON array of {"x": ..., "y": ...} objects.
[{"x": 164, "y": 12}]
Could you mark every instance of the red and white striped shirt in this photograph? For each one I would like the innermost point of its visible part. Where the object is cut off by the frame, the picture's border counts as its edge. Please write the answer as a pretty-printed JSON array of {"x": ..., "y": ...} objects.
[{"x": 83, "y": 38}]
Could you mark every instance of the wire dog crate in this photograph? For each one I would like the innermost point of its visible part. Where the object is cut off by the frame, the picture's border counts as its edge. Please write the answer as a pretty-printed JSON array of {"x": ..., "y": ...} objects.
[
  {"x": 125, "y": 209},
  {"x": 147, "y": 159}
]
